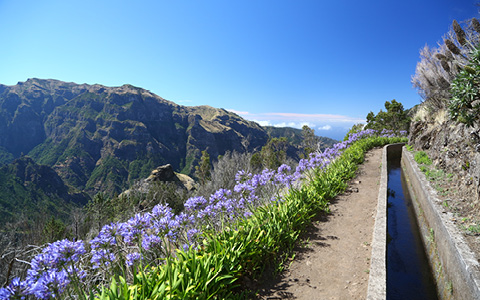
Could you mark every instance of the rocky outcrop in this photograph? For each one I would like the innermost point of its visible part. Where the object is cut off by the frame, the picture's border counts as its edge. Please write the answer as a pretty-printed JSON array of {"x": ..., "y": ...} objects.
[{"x": 165, "y": 173}]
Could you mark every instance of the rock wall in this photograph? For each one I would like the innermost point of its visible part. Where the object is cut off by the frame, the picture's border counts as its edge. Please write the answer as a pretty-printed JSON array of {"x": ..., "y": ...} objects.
[{"x": 455, "y": 149}]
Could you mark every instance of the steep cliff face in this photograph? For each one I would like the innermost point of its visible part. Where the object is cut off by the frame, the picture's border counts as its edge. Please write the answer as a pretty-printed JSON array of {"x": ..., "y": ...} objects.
[
  {"x": 454, "y": 148},
  {"x": 100, "y": 138},
  {"x": 32, "y": 190}
]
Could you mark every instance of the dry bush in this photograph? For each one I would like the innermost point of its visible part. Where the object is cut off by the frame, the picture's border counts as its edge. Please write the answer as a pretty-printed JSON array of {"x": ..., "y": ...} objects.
[
  {"x": 224, "y": 171},
  {"x": 439, "y": 66}
]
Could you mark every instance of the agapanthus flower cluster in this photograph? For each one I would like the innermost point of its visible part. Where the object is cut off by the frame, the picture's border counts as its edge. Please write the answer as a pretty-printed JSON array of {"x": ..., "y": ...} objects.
[
  {"x": 51, "y": 271},
  {"x": 147, "y": 238}
]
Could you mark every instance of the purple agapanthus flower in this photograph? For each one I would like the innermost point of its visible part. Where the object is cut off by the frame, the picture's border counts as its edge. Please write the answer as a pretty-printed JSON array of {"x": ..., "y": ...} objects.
[
  {"x": 195, "y": 203},
  {"x": 134, "y": 228},
  {"x": 102, "y": 257},
  {"x": 162, "y": 211},
  {"x": 151, "y": 241},
  {"x": 242, "y": 176},
  {"x": 131, "y": 258},
  {"x": 51, "y": 284},
  {"x": 55, "y": 256},
  {"x": 15, "y": 290},
  {"x": 107, "y": 236}
]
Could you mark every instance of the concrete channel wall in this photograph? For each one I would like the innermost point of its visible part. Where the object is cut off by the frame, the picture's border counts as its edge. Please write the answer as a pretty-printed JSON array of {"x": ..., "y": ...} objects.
[
  {"x": 456, "y": 270},
  {"x": 377, "y": 281}
]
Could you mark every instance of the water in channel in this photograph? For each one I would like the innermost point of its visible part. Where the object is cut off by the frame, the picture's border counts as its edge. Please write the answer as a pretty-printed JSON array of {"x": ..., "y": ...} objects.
[{"x": 408, "y": 273}]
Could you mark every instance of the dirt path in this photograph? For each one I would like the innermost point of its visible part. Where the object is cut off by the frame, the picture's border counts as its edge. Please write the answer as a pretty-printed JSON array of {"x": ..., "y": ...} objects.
[{"x": 334, "y": 259}]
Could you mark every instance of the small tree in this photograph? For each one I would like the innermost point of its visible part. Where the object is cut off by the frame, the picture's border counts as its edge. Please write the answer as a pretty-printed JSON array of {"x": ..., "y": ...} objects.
[
  {"x": 310, "y": 140},
  {"x": 203, "y": 170},
  {"x": 395, "y": 118},
  {"x": 100, "y": 210},
  {"x": 54, "y": 230},
  {"x": 256, "y": 161},
  {"x": 464, "y": 105},
  {"x": 274, "y": 153}
]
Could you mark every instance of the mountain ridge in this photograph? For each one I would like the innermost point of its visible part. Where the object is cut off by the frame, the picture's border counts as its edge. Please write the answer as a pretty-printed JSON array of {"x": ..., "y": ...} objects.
[{"x": 93, "y": 135}]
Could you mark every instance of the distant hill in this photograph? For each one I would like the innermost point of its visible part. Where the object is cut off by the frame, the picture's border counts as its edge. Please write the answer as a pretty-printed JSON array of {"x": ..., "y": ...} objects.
[
  {"x": 36, "y": 191},
  {"x": 295, "y": 136}
]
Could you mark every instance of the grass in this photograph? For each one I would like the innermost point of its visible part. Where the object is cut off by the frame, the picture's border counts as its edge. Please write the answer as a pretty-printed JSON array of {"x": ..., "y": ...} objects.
[
  {"x": 434, "y": 175},
  {"x": 473, "y": 229}
]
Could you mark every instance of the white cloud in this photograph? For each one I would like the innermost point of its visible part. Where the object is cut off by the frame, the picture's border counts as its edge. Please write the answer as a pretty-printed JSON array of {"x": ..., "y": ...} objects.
[
  {"x": 326, "y": 127},
  {"x": 263, "y": 123},
  {"x": 285, "y": 124},
  {"x": 334, "y": 126},
  {"x": 238, "y": 112},
  {"x": 184, "y": 101},
  {"x": 310, "y": 118},
  {"x": 297, "y": 120}
]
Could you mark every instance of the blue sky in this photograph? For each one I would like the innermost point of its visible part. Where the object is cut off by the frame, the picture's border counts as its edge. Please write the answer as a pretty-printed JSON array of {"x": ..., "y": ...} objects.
[{"x": 321, "y": 63}]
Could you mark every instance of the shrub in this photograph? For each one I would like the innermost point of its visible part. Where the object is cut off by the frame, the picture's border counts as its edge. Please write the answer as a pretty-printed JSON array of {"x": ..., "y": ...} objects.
[
  {"x": 422, "y": 158},
  {"x": 464, "y": 105},
  {"x": 224, "y": 171}
]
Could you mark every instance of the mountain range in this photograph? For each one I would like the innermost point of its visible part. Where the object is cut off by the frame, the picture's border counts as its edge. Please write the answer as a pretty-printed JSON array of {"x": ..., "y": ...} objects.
[
  {"x": 100, "y": 138},
  {"x": 69, "y": 141}
]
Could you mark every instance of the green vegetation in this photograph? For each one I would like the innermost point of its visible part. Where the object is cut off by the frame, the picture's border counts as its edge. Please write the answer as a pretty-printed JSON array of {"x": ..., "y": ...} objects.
[
  {"x": 140, "y": 168},
  {"x": 474, "y": 229},
  {"x": 437, "y": 176},
  {"x": 188, "y": 164},
  {"x": 55, "y": 230},
  {"x": 35, "y": 205},
  {"x": 464, "y": 105},
  {"x": 5, "y": 156},
  {"x": 432, "y": 174},
  {"x": 310, "y": 141},
  {"x": 272, "y": 155},
  {"x": 296, "y": 137},
  {"x": 48, "y": 152},
  {"x": 203, "y": 170},
  {"x": 355, "y": 129},
  {"x": 422, "y": 158},
  {"x": 395, "y": 118},
  {"x": 111, "y": 171},
  {"x": 293, "y": 135}
]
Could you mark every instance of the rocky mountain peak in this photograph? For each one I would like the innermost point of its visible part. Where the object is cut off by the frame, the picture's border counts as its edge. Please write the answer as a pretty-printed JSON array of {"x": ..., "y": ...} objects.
[{"x": 100, "y": 138}]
